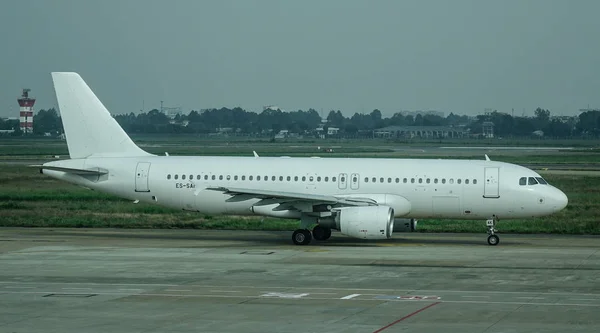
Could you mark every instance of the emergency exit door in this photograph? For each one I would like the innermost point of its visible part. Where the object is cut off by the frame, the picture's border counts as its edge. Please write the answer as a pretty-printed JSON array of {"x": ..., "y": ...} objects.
[{"x": 141, "y": 177}]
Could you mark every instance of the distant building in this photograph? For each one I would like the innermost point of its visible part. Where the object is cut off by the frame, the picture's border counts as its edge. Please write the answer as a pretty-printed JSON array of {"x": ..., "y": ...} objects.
[
  {"x": 171, "y": 112},
  {"x": 420, "y": 131},
  {"x": 422, "y": 113},
  {"x": 271, "y": 107},
  {"x": 488, "y": 129}
]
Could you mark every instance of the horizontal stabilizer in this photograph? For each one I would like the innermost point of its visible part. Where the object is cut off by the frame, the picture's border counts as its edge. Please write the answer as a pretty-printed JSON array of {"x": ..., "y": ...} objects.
[{"x": 86, "y": 172}]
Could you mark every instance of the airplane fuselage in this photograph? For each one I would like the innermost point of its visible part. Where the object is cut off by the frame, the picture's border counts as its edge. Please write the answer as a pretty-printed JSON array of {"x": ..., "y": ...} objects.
[{"x": 458, "y": 189}]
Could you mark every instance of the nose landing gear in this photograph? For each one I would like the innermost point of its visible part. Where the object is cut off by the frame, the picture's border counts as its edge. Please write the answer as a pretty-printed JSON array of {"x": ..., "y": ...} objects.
[{"x": 492, "y": 239}]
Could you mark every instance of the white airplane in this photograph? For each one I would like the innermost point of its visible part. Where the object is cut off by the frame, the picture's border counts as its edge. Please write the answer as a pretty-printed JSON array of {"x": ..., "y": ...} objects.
[{"x": 360, "y": 197}]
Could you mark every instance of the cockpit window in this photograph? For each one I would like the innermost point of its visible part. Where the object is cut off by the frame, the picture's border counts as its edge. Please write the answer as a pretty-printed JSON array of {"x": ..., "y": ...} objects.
[
  {"x": 541, "y": 180},
  {"x": 532, "y": 181},
  {"x": 523, "y": 181}
]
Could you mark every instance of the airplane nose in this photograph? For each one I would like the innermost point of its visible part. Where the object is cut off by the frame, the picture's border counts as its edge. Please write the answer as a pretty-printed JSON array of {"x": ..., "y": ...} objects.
[{"x": 560, "y": 200}]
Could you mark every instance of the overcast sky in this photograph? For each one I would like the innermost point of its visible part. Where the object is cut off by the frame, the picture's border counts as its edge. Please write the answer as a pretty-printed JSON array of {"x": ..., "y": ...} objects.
[{"x": 449, "y": 55}]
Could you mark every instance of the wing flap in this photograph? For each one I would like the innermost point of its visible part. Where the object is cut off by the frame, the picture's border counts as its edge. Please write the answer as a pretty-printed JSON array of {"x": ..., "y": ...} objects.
[{"x": 283, "y": 196}]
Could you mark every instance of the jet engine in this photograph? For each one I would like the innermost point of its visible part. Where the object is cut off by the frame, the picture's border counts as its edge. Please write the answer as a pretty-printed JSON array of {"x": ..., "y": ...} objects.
[
  {"x": 405, "y": 225},
  {"x": 373, "y": 222}
]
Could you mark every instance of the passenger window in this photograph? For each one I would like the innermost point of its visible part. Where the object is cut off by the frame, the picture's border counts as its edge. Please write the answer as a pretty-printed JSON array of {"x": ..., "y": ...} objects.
[
  {"x": 295, "y": 178},
  {"x": 220, "y": 177},
  {"x": 420, "y": 180},
  {"x": 168, "y": 176},
  {"x": 266, "y": 178},
  {"x": 374, "y": 180},
  {"x": 366, "y": 179},
  {"x": 280, "y": 178},
  {"x": 176, "y": 176},
  {"x": 257, "y": 177},
  {"x": 523, "y": 181},
  {"x": 333, "y": 179},
  {"x": 191, "y": 177},
  {"x": 474, "y": 181},
  {"x": 435, "y": 181},
  {"x": 228, "y": 177},
  {"x": 235, "y": 177},
  {"x": 389, "y": 180},
  {"x": 205, "y": 177},
  {"x": 451, "y": 181},
  {"x": 428, "y": 180},
  {"x": 326, "y": 179},
  {"x": 397, "y": 180},
  {"x": 466, "y": 181},
  {"x": 342, "y": 179},
  {"x": 381, "y": 179},
  {"x": 198, "y": 177},
  {"x": 541, "y": 180},
  {"x": 182, "y": 176},
  {"x": 311, "y": 178},
  {"x": 273, "y": 178},
  {"x": 303, "y": 178},
  {"x": 458, "y": 181},
  {"x": 412, "y": 180},
  {"x": 289, "y": 178},
  {"x": 405, "y": 180},
  {"x": 243, "y": 177},
  {"x": 443, "y": 180},
  {"x": 250, "y": 177},
  {"x": 532, "y": 181}
]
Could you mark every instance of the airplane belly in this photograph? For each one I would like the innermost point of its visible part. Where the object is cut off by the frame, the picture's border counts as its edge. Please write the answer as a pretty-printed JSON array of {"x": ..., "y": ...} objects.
[
  {"x": 446, "y": 206},
  {"x": 209, "y": 202}
]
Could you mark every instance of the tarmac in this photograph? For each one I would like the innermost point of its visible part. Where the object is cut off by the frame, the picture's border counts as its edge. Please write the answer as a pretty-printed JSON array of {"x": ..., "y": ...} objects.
[{"x": 106, "y": 280}]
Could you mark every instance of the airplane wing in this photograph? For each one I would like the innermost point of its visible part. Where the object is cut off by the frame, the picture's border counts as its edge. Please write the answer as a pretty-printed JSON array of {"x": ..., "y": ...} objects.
[{"x": 283, "y": 197}]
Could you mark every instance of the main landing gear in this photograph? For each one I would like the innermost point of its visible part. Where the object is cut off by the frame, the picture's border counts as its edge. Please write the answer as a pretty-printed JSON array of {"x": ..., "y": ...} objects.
[
  {"x": 492, "y": 239},
  {"x": 304, "y": 236}
]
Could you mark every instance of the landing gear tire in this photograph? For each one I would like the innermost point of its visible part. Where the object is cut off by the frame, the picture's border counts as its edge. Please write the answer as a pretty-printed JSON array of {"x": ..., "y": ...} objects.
[
  {"x": 493, "y": 240},
  {"x": 301, "y": 237},
  {"x": 321, "y": 233}
]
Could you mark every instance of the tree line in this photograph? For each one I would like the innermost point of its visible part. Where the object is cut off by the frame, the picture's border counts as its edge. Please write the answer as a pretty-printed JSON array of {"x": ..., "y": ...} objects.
[{"x": 271, "y": 122}]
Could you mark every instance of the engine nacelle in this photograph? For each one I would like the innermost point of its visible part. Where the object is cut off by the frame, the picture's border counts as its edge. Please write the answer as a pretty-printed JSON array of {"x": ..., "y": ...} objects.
[
  {"x": 373, "y": 222},
  {"x": 405, "y": 225}
]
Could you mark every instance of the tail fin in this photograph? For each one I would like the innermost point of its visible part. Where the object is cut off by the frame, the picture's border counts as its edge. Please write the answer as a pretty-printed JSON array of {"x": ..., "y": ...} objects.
[{"x": 89, "y": 127}]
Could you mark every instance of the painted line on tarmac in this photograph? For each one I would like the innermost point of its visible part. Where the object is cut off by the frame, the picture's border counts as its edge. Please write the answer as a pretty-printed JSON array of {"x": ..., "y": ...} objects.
[
  {"x": 350, "y": 296},
  {"x": 406, "y": 317},
  {"x": 303, "y": 297},
  {"x": 11, "y": 284}
]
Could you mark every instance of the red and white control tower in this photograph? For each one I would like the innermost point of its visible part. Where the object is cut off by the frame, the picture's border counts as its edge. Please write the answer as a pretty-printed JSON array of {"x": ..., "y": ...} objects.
[{"x": 26, "y": 111}]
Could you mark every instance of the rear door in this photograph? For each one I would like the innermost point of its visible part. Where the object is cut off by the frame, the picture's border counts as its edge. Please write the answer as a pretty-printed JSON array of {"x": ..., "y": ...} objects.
[{"x": 141, "y": 177}]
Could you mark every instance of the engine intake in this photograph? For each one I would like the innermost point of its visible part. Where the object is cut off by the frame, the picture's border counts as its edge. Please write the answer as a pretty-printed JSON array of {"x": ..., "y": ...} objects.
[{"x": 373, "y": 222}]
